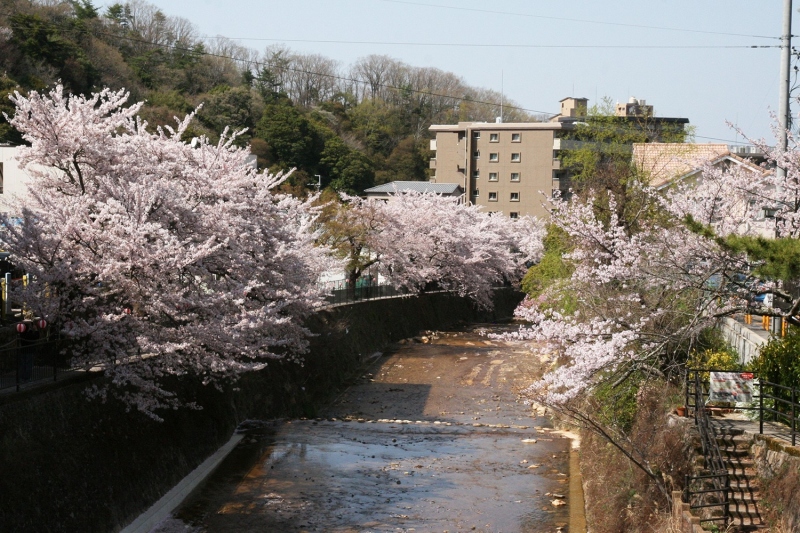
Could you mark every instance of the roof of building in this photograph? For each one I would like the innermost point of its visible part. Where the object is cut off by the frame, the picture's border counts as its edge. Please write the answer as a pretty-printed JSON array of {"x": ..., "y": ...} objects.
[
  {"x": 667, "y": 161},
  {"x": 418, "y": 186},
  {"x": 463, "y": 126}
]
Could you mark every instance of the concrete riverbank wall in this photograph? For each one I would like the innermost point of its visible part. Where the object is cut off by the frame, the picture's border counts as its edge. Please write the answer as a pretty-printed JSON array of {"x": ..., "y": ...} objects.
[{"x": 68, "y": 464}]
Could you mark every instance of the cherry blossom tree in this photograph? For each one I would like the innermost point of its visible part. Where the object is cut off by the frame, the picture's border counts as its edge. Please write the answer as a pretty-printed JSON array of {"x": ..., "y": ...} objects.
[
  {"x": 649, "y": 272},
  {"x": 649, "y": 278},
  {"x": 417, "y": 240},
  {"x": 434, "y": 239},
  {"x": 153, "y": 256}
]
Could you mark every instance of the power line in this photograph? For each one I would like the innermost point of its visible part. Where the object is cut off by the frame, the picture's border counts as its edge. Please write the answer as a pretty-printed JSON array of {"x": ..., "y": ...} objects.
[
  {"x": 564, "y": 19},
  {"x": 489, "y": 45},
  {"x": 261, "y": 64},
  {"x": 717, "y": 139},
  {"x": 324, "y": 75}
]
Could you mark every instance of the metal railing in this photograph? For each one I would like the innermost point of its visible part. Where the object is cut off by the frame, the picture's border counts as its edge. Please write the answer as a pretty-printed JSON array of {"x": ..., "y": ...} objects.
[
  {"x": 340, "y": 292},
  {"x": 23, "y": 362},
  {"x": 716, "y": 481},
  {"x": 784, "y": 407},
  {"x": 775, "y": 403}
]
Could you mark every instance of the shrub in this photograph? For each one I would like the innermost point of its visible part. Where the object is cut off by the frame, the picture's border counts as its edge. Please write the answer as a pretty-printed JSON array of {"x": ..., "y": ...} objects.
[{"x": 778, "y": 361}]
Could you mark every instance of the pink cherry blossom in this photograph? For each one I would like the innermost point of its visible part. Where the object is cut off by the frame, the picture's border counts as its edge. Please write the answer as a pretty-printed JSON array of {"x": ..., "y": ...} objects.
[
  {"x": 216, "y": 267},
  {"x": 419, "y": 239}
]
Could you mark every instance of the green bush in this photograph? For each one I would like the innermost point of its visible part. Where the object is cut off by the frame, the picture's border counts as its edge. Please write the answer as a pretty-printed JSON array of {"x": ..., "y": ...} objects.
[
  {"x": 779, "y": 360},
  {"x": 714, "y": 359},
  {"x": 617, "y": 406}
]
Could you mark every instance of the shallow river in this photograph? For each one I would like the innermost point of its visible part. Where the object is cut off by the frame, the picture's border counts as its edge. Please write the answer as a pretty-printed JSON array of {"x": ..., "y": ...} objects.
[{"x": 430, "y": 439}]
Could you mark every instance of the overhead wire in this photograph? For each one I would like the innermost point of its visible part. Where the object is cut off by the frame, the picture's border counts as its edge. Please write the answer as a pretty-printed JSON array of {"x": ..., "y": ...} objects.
[
  {"x": 495, "y": 45},
  {"x": 261, "y": 64},
  {"x": 321, "y": 74},
  {"x": 566, "y": 19}
]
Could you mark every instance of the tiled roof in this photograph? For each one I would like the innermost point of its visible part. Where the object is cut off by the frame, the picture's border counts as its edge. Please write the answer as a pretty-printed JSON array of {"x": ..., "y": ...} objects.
[
  {"x": 667, "y": 161},
  {"x": 419, "y": 186}
]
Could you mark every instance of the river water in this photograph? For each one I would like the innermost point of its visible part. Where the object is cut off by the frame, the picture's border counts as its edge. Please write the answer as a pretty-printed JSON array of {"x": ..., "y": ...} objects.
[{"x": 430, "y": 438}]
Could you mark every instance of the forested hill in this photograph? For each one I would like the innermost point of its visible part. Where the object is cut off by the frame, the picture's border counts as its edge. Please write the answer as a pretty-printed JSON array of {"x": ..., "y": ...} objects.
[{"x": 355, "y": 125}]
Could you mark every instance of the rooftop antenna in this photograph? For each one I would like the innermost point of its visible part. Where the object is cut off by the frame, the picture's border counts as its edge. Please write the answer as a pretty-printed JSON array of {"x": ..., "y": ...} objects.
[{"x": 502, "y": 92}]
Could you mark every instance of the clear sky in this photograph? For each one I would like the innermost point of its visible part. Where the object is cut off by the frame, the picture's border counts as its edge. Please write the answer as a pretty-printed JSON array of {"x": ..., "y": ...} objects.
[{"x": 679, "y": 55}]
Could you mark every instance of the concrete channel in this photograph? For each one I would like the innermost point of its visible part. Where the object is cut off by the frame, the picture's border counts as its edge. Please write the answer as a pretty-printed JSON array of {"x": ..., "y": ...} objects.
[{"x": 431, "y": 437}]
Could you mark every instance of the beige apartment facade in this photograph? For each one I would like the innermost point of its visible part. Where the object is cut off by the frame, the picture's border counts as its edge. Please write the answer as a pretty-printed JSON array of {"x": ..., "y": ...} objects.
[
  {"x": 511, "y": 168},
  {"x": 514, "y": 168}
]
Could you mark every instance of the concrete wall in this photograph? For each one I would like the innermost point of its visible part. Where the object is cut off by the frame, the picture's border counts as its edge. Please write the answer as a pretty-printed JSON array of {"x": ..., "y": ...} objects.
[
  {"x": 68, "y": 464},
  {"x": 746, "y": 342}
]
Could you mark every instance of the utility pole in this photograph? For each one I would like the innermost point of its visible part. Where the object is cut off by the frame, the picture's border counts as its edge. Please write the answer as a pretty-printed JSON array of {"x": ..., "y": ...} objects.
[{"x": 783, "y": 96}]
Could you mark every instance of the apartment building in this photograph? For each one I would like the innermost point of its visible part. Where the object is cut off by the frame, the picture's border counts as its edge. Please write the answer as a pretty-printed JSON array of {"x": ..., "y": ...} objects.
[
  {"x": 507, "y": 167},
  {"x": 512, "y": 168}
]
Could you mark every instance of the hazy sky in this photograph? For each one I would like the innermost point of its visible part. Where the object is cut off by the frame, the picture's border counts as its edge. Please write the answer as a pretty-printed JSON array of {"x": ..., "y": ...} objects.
[{"x": 679, "y": 55}]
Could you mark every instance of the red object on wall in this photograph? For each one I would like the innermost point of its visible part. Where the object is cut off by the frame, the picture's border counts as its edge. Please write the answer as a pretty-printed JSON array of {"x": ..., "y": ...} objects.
[
  {"x": 42, "y": 323},
  {"x": 21, "y": 328}
]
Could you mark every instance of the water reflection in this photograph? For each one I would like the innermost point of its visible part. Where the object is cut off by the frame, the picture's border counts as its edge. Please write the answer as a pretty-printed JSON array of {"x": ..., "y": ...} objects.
[{"x": 442, "y": 444}]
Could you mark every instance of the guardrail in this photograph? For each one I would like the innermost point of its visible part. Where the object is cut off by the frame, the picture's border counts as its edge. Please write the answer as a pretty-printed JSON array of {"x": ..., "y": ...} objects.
[
  {"x": 23, "y": 362},
  {"x": 784, "y": 409},
  {"x": 776, "y": 403},
  {"x": 340, "y": 292},
  {"x": 717, "y": 475}
]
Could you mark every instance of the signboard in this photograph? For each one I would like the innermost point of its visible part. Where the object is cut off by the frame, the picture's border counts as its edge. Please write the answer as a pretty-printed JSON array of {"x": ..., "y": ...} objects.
[{"x": 734, "y": 387}]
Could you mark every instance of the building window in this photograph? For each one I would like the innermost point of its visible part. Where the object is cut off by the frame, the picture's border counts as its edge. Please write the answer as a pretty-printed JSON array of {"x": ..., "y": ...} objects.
[
  {"x": 476, "y": 173},
  {"x": 516, "y": 137},
  {"x": 475, "y": 193},
  {"x": 513, "y": 214},
  {"x": 494, "y": 137},
  {"x": 476, "y": 154},
  {"x": 492, "y": 196},
  {"x": 494, "y": 157},
  {"x": 515, "y": 176},
  {"x": 514, "y": 197},
  {"x": 492, "y": 176},
  {"x": 516, "y": 157},
  {"x": 476, "y": 135}
]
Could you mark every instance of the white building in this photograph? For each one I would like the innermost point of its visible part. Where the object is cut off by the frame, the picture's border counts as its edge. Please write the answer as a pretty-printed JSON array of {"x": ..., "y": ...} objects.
[{"x": 13, "y": 180}]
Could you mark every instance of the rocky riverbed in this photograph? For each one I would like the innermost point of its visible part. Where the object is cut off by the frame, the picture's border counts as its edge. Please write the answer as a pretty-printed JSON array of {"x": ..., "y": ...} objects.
[{"x": 431, "y": 437}]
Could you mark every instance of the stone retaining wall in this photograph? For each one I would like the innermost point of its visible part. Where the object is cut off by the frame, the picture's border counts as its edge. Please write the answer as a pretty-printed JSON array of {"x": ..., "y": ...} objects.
[
  {"x": 778, "y": 466},
  {"x": 683, "y": 520}
]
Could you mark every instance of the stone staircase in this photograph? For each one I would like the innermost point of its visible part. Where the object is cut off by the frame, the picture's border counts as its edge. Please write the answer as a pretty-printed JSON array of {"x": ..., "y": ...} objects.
[
  {"x": 734, "y": 447},
  {"x": 744, "y": 499}
]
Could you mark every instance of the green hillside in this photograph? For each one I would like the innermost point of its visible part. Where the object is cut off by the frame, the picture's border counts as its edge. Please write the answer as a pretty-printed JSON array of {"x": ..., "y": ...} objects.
[{"x": 354, "y": 126}]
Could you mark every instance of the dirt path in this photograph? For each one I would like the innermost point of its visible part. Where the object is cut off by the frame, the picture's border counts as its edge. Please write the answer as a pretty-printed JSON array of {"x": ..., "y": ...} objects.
[{"x": 431, "y": 438}]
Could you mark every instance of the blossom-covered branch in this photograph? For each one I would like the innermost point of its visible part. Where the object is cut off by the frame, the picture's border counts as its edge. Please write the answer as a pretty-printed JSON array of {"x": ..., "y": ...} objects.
[{"x": 154, "y": 256}]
